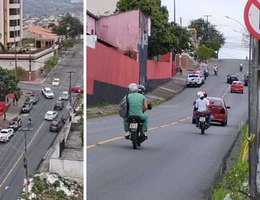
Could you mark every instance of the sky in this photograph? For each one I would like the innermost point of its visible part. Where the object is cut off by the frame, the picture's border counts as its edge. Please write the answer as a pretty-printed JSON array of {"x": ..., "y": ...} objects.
[{"x": 232, "y": 29}]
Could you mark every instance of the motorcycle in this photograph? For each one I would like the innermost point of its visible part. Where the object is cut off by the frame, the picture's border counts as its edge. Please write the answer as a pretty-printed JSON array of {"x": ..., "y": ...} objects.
[
  {"x": 202, "y": 122},
  {"x": 240, "y": 68},
  {"x": 135, "y": 128},
  {"x": 216, "y": 72}
]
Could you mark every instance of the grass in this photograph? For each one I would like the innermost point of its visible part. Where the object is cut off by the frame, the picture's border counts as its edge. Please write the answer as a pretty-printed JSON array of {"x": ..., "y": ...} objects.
[{"x": 233, "y": 184}]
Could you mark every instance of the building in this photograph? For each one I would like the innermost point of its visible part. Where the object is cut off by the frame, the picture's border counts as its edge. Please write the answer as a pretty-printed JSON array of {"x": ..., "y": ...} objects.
[
  {"x": 101, "y": 7},
  {"x": 11, "y": 23}
]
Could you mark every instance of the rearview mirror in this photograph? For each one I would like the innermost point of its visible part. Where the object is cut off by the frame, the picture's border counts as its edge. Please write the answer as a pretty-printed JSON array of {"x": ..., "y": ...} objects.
[{"x": 227, "y": 107}]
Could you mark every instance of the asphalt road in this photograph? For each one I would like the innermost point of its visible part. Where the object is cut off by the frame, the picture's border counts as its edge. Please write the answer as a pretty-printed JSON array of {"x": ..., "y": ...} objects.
[
  {"x": 12, "y": 171},
  {"x": 176, "y": 162}
]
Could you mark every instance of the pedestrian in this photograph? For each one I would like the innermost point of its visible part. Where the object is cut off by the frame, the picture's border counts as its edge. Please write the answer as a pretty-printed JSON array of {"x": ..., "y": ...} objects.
[
  {"x": 13, "y": 101},
  {"x": 180, "y": 70},
  {"x": 4, "y": 116}
]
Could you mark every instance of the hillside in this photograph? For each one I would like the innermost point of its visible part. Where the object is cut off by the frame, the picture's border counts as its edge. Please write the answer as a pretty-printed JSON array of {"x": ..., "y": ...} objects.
[{"x": 39, "y": 7}]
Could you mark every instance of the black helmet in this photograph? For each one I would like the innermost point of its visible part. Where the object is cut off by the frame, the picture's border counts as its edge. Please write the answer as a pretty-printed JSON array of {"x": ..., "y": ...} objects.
[{"x": 141, "y": 89}]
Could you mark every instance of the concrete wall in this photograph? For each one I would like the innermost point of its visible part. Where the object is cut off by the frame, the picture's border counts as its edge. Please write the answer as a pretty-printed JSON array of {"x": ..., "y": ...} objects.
[
  {"x": 67, "y": 168},
  {"x": 91, "y": 25},
  {"x": 120, "y": 30}
]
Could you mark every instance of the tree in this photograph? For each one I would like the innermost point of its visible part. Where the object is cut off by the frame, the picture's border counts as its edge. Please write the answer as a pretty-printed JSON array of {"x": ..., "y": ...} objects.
[
  {"x": 69, "y": 26},
  {"x": 203, "y": 53},
  {"x": 183, "y": 39},
  {"x": 208, "y": 35},
  {"x": 8, "y": 81},
  {"x": 161, "y": 40}
]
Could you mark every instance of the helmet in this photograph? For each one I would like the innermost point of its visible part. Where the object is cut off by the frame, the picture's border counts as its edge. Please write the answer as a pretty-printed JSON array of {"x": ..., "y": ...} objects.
[
  {"x": 199, "y": 94},
  {"x": 141, "y": 89},
  {"x": 133, "y": 87},
  {"x": 241, "y": 64}
]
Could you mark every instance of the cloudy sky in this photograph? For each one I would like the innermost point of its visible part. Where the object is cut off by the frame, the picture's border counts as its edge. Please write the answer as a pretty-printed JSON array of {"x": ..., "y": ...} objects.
[{"x": 233, "y": 31}]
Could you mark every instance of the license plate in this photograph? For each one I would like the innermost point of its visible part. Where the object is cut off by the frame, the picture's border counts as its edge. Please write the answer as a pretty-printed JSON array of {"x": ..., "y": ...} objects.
[
  {"x": 202, "y": 119},
  {"x": 133, "y": 125}
]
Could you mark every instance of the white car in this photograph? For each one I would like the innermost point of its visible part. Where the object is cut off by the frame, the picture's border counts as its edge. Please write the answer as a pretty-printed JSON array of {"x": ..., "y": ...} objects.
[
  {"x": 6, "y": 134},
  {"x": 56, "y": 82},
  {"x": 194, "y": 80},
  {"x": 51, "y": 115},
  {"x": 48, "y": 93},
  {"x": 64, "y": 96}
]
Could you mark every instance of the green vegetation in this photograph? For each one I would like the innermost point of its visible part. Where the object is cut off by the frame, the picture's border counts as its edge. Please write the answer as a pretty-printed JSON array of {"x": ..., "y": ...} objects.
[
  {"x": 234, "y": 182},
  {"x": 52, "y": 62},
  {"x": 208, "y": 36},
  {"x": 68, "y": 26},
  {"x": 8, "y": 81}
]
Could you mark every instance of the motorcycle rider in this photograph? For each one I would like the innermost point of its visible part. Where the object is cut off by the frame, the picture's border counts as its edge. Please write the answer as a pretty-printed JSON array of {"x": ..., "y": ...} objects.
[
  {"x": 202, "y": 105},
  {"x": 215, "y": 68},
  {"x": 138, "y": 104},
  {"x": 241, "y": 67}
]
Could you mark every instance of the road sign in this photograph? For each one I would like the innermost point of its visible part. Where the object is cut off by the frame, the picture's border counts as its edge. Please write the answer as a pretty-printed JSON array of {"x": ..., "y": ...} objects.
[{"x": 252, "y": 17}]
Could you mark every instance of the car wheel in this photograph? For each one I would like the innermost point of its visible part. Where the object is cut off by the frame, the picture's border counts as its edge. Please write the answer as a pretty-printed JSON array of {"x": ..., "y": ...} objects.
[
  {"x": 242, "y": 92},
  {"x": 224, "y": 123}
]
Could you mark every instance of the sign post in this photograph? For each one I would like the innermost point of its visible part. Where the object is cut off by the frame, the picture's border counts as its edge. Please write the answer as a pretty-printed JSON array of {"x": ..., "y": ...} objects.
[{"x": 252, "y": 22}]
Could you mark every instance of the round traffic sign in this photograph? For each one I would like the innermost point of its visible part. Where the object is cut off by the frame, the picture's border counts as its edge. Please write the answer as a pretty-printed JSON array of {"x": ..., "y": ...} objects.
[{"x": 252, "y": 17}]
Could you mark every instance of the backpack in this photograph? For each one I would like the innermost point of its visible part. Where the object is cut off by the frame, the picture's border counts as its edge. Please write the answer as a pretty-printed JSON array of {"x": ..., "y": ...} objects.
[{"x": 123, "y": 107}]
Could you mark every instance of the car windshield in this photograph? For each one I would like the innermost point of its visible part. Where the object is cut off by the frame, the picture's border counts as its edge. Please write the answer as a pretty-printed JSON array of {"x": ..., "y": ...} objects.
[
  {"x": 48, "y": 91},
  {"x": 4, "y": 131},
  {"x": 56, "y": 80},
  {"x": 216, "y": 102},
  {"x": 193, "y": 75}
]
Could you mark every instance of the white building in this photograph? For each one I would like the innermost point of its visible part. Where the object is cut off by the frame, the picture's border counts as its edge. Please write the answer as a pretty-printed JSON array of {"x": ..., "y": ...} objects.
[{"x": 11, "y": 23}]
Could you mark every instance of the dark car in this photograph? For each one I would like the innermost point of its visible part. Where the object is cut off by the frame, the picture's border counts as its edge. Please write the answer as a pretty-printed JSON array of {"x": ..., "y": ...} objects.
[
  {"x": 56, "y": 125},
  {"x": 58, "y": 105},
  {"x": 27, "y": 107},
  {"x": 15, "y": 123},
  {"x": 231, "y": 78},
  {"x": 246, "y": 79}
]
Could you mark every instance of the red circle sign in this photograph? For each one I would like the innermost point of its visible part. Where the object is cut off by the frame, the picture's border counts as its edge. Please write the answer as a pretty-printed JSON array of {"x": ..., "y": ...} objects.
[{"x": 252, "y": 16}]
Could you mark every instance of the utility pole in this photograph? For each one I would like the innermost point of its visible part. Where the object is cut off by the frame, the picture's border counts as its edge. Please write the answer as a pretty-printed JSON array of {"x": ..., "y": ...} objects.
[
  {"x": 15, "y": 53},
  {"x": 207, "y": 16},
  {"x": 70, "y": 72},
  {"x": 174, "y": 7},
  {"x": 25, "y": 159},
  {"x": 30, "y": 64}
]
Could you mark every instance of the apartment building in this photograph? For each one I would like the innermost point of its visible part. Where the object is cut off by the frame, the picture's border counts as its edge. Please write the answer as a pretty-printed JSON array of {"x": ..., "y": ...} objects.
[{"x": 11, "y": 22}]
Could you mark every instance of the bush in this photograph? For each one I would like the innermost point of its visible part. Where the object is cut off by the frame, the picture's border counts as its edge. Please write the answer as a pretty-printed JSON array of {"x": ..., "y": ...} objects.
[{"x": 52, "y": 62}]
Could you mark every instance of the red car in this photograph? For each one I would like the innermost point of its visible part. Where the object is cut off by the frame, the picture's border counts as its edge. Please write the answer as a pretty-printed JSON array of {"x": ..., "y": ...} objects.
[
  {"x": 219, "y": 112},
  {"x": 77, "y": 89},
  {"x": 237, "y": 86}
]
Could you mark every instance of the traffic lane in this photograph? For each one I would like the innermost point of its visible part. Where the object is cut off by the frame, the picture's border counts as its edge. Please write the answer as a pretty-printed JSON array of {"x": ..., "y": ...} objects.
[
  {"x": 36, "y": 151},
  {"x": 38, "y": 120},
  {"x": 175, "y": 162}
]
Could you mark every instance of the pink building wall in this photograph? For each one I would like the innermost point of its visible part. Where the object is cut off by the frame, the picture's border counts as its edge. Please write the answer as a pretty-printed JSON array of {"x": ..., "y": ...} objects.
[
  {"x": 91, "y": 24},
  {"x": 107, "y": 65},
  {"x": 121, "y": 30}
]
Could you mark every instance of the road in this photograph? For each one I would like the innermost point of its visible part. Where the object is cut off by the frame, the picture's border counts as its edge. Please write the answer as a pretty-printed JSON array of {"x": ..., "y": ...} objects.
[
  {"x": 39, "y": 140},
  {"x": 176, "y": 162}
]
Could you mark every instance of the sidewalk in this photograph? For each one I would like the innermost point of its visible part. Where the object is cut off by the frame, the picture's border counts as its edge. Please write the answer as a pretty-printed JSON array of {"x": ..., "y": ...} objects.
[
  {"x": 160, "y": 94},
  {"x": 12, "y": 110}
]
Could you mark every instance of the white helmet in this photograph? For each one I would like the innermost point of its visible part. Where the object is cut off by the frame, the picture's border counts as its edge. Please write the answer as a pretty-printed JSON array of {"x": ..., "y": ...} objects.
[
  {"x": 133, "y": 87},
  {"x": 241, "y": 64},
  {"x": 200, "y": 94}
]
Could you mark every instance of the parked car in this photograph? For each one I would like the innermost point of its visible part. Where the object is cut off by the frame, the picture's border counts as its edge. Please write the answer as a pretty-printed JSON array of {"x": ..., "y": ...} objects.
[
  {"x": 237, "y": 86},
  {"x": 51, "y": 115},
  {"x": 58, "y": 105},
  {"x": 246, "y": 79},
  {"x": 77, "y": 89},
  {"x": 35, "y": 97},
  {"x": 48, "y": 93},
  {"x": 56, "y": 125},
  {"x": 231, "y": 78},
  {"x": 56, "y": 82},
  {"x": 6, "y": 134},
  {"x": 194, "y": 80},
  {"x": 64, "y": 96},
  {"x": 219, "y": 111},
  {"x": 15, "y": 123},
  {"x": 27, "y": 107}
]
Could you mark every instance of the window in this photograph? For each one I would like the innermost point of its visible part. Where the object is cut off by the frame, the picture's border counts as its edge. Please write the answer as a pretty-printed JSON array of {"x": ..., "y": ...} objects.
[
  {"x": 15, "y": 22},
  {"x": 14, "y": 1},
  {"x": 14, "y": 33},
  {"x": 14, "y": 11}
]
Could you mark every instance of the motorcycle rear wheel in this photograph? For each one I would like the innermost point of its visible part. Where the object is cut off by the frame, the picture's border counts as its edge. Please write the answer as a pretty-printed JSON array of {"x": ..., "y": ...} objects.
[
  {"x": 134, "y": 140},
  {"x": 202, "y": 128}
]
